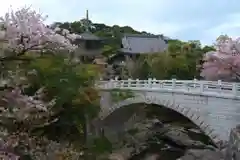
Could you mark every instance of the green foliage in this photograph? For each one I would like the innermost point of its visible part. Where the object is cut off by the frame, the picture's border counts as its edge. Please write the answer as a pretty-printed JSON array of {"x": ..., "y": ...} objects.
[
  {"x": 118, "y": 95},
  {"x": 180, "y": 61},
  {"x": 111, "y": 34},
  {"x": 72, "y": 87},
  {"x": 109, "y": 50}
]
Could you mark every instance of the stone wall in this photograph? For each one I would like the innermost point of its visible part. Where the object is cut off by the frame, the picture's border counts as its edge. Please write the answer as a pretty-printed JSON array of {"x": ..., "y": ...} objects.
[{"x": 233, "y": 150}]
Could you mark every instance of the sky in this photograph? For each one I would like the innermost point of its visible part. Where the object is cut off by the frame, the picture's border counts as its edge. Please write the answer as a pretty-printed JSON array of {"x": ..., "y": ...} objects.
[{"x": 202, "y": 20}]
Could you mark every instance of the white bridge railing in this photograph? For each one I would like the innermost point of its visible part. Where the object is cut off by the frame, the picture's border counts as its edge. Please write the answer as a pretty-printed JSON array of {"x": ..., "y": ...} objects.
[{"x": 216, "y": 87}]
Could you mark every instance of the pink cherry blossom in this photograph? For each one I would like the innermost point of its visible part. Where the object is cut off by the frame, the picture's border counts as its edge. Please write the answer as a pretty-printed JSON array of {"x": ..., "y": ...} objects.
[
  {"x": 224, "y": 63},
  {"x": 22, "y": 31},
  {"x": 25, "y": 30}
]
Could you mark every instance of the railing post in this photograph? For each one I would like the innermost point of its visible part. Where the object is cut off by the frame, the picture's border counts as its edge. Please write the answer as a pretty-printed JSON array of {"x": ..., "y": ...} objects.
[
  {"x": 145, "y": 83},
  {"x": 201, "y": 86},
  {"x": 154, "y": 82},
  {"x": 116, "y": 82},
  {"x": 160, "y": 84},
  {"x": 219, "y": 85},
  {"x": 173, "y": 83},
  {"x": 111, "y": 84},
  {"x": 194, "y": 82},
  {"x": 234, "y": 89},
  {"x": 121, "y": 83},
  {"x": 149, "y": 82},
  {"x": 129, "y": 82},
  {"x": 137, "y": 83}
]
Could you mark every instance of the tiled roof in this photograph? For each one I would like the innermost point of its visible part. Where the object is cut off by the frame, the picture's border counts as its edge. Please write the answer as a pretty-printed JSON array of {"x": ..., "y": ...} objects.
[{"x": 141, "y": 44}]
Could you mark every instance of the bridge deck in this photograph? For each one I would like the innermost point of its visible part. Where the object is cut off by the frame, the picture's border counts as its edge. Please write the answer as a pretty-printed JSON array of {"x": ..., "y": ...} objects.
[{"x": 214, "y": 88}]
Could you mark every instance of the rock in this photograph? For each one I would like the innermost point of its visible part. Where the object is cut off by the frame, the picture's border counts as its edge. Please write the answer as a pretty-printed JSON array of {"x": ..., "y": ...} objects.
[
  {"x": 202, "y": 154},
  {"x": 194, "y": 130},
  {"x": 144, "y": 130},
  {"x": 121, "y": 154},
  {"x": 116, "y": 157},
  {"x": 181, "y": 138},
  {"x": 136, "y": 140},
  {"x": 210, "y": 147},
  {"x": 151, "y": 157}
]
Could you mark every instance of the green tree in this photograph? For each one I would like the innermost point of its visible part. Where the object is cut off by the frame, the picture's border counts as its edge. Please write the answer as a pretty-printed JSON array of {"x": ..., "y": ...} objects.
[
  {"x": 72, "y": 88},
  {"x": 180, "y": 60}
]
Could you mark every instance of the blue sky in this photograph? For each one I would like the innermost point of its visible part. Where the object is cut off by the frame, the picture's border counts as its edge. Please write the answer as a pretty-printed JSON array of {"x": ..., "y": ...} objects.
[{"x": 201, "y": 20}]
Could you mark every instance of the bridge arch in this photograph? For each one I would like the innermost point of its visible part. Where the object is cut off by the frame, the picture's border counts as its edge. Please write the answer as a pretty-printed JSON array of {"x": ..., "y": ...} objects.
[{"x": 193, "y": 116}]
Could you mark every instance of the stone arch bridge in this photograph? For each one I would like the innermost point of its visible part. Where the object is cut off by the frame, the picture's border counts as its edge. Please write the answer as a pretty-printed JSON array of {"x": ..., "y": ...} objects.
[{"x": 214, "y": 106}]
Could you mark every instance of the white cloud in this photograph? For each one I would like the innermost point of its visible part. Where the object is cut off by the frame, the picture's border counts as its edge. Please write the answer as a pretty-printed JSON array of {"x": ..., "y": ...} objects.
[
  {"x": 140, "y": 24},
  {"x": 231, "y": 27},
  {"x": 137, "y": 14},
  {"x": 55, "y": 9},
  {"x": 6, "y": 4},
  {"x": 177, "y": 19}
]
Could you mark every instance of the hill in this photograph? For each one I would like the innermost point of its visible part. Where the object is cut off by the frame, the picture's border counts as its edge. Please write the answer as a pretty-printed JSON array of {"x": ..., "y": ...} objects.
[{"x": 112, "y": 34}]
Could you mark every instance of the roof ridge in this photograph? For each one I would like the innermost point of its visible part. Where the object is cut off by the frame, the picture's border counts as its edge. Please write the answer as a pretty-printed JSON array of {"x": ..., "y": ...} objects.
[{"x": 143, "y": 35}]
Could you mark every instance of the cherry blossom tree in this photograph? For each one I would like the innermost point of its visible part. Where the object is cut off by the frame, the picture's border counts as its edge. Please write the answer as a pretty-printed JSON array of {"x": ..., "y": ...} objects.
[
  {"x": 24, "y": 30},
  {"x": 224, "y": 63}
]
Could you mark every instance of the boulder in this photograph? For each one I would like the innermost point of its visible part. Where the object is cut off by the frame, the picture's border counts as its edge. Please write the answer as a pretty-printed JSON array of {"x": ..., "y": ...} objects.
[
  {"x": 180, "y": 137},
  {"x": 202, "y": 154}
]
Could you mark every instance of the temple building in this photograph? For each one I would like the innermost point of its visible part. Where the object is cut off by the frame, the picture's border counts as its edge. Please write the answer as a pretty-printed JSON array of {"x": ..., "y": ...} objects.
[
  {"x": 143, "y": 44},
  {"x": 134, "y": 45},
  {"x": 90, "y": 46}
]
